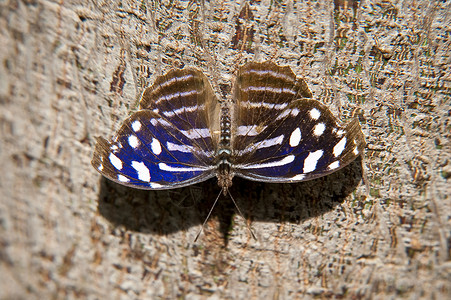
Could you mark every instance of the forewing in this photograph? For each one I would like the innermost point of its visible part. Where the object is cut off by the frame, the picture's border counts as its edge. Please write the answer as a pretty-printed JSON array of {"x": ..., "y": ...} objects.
[
  {"x": 168, "y": 143},
  {"x": 295, "y": 141},
  {"x": 261, "y": 90},
  {"x": 184, "y": 98}
]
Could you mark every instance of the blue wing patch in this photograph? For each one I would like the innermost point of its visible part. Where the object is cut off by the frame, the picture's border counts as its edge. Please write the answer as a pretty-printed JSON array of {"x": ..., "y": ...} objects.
[
  {"x": 149, "y": 153},
  {"x": 303, "y": 142}
]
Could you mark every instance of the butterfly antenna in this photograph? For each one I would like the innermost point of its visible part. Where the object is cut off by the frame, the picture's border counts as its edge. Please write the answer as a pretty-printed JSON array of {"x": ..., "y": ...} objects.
[
  {"x": 241, "y": 214},
  {"x": 208, "y": 216}
]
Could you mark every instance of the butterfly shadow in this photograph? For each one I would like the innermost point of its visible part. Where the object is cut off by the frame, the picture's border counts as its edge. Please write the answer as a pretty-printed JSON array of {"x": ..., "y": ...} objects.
[
  {"x": 297, "y": 202},
  {"x": 165, "y": 212}
]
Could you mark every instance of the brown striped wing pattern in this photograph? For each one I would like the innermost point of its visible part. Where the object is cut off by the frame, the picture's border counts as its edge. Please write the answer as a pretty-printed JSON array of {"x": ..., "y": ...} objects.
[
  {"x": 280, "y": 134},
  {"x": 171, "y": 141}
]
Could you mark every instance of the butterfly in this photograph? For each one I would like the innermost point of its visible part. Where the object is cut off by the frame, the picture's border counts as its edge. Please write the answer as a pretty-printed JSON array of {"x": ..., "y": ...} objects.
[{"x": 270, "y": 130}]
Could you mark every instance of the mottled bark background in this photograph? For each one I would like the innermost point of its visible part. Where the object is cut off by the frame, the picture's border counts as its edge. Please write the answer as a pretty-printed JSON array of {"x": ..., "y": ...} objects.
[{"x": 73, "y": 70}]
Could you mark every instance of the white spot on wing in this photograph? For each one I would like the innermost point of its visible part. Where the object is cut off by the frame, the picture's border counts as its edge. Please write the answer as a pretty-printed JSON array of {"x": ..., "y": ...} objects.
[
  {"x": 133, "y": 141},
  {"x": 100, "y": 167},
  {"x": 340, "y": 132},
  {"x": 196, "y": 133},
  {"x": 284, "y": 161},
  {"x": 270, "y": 72},
  {"x": 181, "y": 148},
  {"x": 163, "y": 122},
  {"x": 187, "y": 149},
  {"x": 311, "y": 161},
  {"x": 271, "y": 142},
  {"x": 283, "y": 114},
  {"x": 175, "y": 79},
  {"x": 295, "y": 137},
  {"x": 155, "y": 185},
  {"x": 315, "y": 114},
  {"x": 142, "y": 170},
  {"x": 183, "y": 110},
  {"x": 269, "y": 89},
  {"x": 249, "y": 104},
  {"x": 136, "y": 126},
  {"x": 155, "y": 146},
  {"x": 169, "y": 97},
  {"x": 115, "y": 161},
  {"x": 295, "y": 112},
  {"x": 339, "y": 147},
  {"x": 319, "y": 129},
  {"x": 356, "y": 151},
  {"x": 298, "y": 177},
  {"x": 333, "y": 165},
  {"x": 122, "y": 178},
  {"x": 168, "y": 168},
  {"x": 249, "y": 130},
  {"x": 263, "y": 144}
]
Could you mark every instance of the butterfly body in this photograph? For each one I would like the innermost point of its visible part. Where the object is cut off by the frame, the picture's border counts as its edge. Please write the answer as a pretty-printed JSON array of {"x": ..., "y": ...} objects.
[{"x": 271, "y": 131}]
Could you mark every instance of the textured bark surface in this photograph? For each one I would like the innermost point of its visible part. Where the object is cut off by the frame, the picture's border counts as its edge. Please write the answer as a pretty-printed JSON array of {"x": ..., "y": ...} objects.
[{"x": 74, "y": 70}]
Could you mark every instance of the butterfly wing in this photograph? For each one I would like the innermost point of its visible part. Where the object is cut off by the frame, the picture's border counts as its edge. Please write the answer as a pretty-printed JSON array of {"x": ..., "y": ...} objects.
[
  {"x": 170, "y": 142},
  {"x": 281, "y": 136}
]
